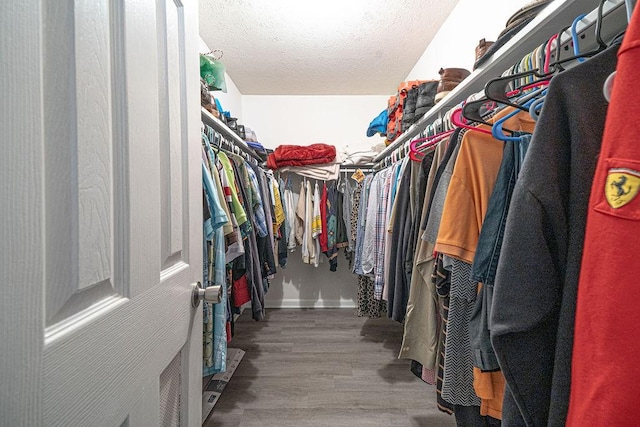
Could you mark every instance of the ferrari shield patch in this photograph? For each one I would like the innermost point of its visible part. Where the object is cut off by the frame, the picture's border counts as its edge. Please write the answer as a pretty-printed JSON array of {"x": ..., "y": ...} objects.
[{"x": 622, "y": 187}]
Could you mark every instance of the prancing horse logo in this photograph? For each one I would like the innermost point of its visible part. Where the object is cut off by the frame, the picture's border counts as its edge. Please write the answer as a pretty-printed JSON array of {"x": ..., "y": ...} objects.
[
  {"x": 622, "y": 187},
  {"x": 619, "y": 185}
]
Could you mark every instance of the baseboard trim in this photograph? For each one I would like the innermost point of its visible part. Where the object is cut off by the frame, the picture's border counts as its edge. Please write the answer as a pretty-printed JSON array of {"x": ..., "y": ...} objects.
[{"x": 309, "y": 303}]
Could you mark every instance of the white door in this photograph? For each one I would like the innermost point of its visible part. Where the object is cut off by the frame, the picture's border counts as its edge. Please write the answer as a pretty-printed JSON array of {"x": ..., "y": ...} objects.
[{"x": 101, "y": 213}]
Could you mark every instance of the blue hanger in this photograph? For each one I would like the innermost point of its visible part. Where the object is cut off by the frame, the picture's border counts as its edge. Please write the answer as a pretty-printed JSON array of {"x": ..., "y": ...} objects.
[
  {"x": 536, "y": 106},
  {"x": 574, "y": 37},
  {"x": 496, "y": 130}
]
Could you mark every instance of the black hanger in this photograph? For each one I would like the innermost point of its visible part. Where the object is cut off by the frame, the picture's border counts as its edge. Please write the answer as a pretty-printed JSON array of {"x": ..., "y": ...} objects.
[
  {"x": 601, "y": 42},
  {"x": 471, "y": 110},
  {"x": 557, "y": 65},
  {"x": 496, "y": 89}
]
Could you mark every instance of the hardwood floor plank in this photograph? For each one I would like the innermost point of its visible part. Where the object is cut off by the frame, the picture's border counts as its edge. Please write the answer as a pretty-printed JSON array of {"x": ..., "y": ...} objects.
[
  {"x": 324, "y": 367},
  {"x": 324, "y": 417}
]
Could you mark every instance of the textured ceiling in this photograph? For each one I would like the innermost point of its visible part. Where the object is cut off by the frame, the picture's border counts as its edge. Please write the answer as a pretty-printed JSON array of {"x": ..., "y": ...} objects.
[{"x": 320, "y": 47}]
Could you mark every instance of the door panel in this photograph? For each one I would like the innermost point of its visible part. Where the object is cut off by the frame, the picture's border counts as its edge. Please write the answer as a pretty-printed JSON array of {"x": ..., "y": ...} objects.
[
  {"x": 80, "y": 158},
  {"x": 21, "y": 218},
  {"x": 170, "y": 22},
  {"x": 104, "y": 231},
  {"x": 170, "y": 390}
]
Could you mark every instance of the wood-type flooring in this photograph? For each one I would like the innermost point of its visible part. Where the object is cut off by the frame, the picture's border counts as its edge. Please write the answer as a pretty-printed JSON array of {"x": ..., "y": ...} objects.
[{"x": 323, "y": 367}]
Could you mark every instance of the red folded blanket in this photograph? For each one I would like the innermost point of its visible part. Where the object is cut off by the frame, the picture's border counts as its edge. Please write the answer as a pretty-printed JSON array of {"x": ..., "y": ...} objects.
[{"x": 297, "y": 155}]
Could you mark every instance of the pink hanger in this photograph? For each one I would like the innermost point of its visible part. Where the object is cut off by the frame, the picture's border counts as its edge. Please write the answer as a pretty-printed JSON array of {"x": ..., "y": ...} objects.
[
  {"x": 458, "y": 121},
  {"x": 416, "y": 150},
  {"x": 527, "y": 87},
  {"x": 547, "y": 54}
]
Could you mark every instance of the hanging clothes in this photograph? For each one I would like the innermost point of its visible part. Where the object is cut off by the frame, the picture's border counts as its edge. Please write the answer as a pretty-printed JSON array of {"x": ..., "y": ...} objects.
[
  {"x": 301, "y": 218},
  {"x": 279, "y": 215},
  {"x": 331, "y": 220},
  {"x": 367, "y": 305},
  {"x": 312, "y": 256},
  {"x": 420, "y": 336},
  {"x": 398, "y": 286},
  {"x": 342, "y": 234},
  {"x": 324, "y": 233},
  {"x": 282, "y": 232},
  {"x": 238, "y": 209},
  {"x": 233, "y": 237},
  {"x": 391, "y": 249},
  {"x": 604, "y": 386},
  {"x": 252, "y": 256},
  {"x": 382, "y": 220},
  {"x": 487, "y": 255},
  {"x": 361, "y": 225},
  {"x": 387, "y": 230},
  {"x": 265, "y": 243},
  {"x": 214, "y": 318},
  {"x": 472, "y": 182},
  {"x": 293, "y": 221},
  {"x": 441, "y": 279},
  {"x": 371, "y": 233},
  {"x": 536, "y": 283}
]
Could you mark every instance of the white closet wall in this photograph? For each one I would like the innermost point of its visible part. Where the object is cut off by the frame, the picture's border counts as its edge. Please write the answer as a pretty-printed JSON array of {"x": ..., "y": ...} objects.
[
  {"x": 302, "y": 120},
  {"x": 454, "y": 44},
  {"x": 301, "y": 285}
]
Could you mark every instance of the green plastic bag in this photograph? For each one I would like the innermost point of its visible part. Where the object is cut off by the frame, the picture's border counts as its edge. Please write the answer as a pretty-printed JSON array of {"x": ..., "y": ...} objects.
[{"x": 212, "y": 71}]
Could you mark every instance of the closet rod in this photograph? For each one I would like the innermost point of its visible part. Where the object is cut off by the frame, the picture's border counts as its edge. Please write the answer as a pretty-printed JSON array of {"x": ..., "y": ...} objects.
[
  {"x": 356, "y": 167},
  {"x": 368, "y": 169},
  {"x": 218, "y": 125},
  {"x": 552, "y": 18}
]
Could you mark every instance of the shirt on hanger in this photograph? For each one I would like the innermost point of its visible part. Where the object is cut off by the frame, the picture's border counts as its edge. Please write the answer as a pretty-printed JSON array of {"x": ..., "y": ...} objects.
[
  {"x": 472, "y": 182},
  {"x": 536, "y": 283}
]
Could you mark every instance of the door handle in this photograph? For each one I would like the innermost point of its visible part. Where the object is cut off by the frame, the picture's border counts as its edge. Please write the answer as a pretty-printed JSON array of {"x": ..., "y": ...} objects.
[{"x": 212, "y": 294}]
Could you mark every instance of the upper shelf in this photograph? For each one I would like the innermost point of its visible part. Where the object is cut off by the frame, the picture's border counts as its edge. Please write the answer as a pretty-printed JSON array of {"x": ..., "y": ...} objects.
[
  {"x": 219, "y": 126},
  {"x": 558, "y": 15}
]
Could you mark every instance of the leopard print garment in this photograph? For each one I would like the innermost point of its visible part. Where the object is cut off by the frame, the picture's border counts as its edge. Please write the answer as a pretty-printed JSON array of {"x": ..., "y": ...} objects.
[{"x": 367, "y": 304}]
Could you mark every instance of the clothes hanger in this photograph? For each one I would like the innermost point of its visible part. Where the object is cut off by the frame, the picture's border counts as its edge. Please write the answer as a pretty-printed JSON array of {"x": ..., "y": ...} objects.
[
  {"x": 547, "y": 53},
  {"x": 456, "y": 119},
  {"x": 495, "y": 89},
  {"x": 577, "y": 55},
  {"x": 430, "y": 143},
  {"x": 416, "y": 150},
  {"x": 574, "y": 37},
  {"x": 536, "y": 107},
  {"x": 471, "y": 110},
  {"x": 497, "y": 131}
]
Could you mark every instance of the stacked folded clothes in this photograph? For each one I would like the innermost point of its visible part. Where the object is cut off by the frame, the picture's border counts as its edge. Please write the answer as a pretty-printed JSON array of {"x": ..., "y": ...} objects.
[
  {"x": 298, "y": 155},
  {"x": 326, "y": 172}
]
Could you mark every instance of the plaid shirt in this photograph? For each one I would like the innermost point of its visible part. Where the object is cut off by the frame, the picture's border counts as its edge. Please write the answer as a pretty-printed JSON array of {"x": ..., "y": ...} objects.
[
  {"x": 381, "y": 232},
  {"x": 361, "y": 224}
]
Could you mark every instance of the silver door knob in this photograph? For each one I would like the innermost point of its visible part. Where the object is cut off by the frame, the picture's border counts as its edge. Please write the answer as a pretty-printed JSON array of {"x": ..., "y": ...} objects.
[{"x": 212, "y": 294}]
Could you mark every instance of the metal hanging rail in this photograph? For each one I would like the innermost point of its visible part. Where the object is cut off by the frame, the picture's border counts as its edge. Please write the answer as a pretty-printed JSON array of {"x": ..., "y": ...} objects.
[
  {"x": 218, "y": 125},
  {"x": 368, "y": 168}
]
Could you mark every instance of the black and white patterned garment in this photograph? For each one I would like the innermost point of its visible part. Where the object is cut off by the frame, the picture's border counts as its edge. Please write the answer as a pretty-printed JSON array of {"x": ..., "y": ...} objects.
[
  {"x": 367, "y": 304},
  {"x": 441, "y": 279},
  {"x": 457, "y": 381},
  {"x": 353, "y": 229}
]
